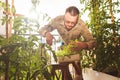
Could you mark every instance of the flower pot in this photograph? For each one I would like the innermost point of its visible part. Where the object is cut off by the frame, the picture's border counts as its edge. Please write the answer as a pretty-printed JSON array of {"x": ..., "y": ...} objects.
[{"x": 89, "y": 74}]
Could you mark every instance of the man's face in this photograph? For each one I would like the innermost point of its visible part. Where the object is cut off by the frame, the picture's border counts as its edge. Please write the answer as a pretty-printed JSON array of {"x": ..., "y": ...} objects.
[{"x": 70, "y": 21}]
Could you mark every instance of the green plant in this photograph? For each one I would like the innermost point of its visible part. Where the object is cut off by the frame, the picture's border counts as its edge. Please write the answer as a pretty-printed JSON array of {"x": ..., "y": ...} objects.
[
  {"x": 106, "y": 30},
  {"x": 66, "y": 50},
  {"x": 23, "y": 57}
]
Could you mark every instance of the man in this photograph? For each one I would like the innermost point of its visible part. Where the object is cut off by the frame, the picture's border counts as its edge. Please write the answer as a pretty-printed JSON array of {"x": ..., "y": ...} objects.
[{"x": 70, "y": 27}]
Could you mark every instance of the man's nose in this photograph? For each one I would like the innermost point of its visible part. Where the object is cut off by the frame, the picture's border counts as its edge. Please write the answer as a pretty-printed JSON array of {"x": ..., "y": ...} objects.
[{"x": 70, "y": 24}]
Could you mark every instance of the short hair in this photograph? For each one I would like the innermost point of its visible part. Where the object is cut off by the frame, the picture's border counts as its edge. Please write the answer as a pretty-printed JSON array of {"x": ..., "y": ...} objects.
[{"x": 72, "y": 10}]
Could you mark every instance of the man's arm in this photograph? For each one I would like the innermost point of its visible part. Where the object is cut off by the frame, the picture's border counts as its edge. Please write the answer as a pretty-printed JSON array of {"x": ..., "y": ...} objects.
[
  {"x": 45, "y": 32},
  {"x": 45, "y": 29},
  {"x": 89, "y": 41},
  {"x": 49, "y": 27}
]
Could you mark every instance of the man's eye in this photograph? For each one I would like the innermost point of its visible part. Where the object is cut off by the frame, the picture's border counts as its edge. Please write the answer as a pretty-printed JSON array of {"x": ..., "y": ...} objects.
[{"x": 67, "y": 22}]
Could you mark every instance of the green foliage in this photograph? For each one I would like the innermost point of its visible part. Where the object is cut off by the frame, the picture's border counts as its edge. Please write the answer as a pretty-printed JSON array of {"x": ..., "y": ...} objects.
[
  {"x": 3, "y": 9},
  {"x": 53, "y": 52},
  {"x": 66, "y": 50},
  {"x": 35, "y": 2},
  {"x": 107, "y": 51},
  {"x": 106, "y": 56},
  {"x": 27, "y": 56},
  {"x": 2, "y": 5}
]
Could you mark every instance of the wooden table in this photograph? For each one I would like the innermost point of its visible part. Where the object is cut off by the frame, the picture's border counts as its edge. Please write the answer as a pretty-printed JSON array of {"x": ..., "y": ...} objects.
[{"x": 63, "y": 70}]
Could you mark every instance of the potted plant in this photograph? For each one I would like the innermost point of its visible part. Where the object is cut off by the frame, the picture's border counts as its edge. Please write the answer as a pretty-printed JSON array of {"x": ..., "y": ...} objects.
[{"x": 105, "y": 27}]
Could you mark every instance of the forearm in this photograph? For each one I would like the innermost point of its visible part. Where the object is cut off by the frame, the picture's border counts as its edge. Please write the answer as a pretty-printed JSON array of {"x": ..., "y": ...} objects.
[
  {"x": 45, "y": 29},
  {"x": 82, "y": 45},
  {"x": 76, "y": 46}
]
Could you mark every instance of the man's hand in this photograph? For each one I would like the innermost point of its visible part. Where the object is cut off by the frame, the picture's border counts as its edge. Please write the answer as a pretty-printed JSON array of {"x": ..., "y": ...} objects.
[
  {"x": 76, "y": 46},
  {"x": 49, "y": 38}
]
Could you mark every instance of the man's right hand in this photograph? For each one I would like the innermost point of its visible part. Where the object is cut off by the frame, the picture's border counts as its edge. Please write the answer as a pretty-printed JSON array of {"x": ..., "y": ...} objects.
[{"x": 49, "y": 38}]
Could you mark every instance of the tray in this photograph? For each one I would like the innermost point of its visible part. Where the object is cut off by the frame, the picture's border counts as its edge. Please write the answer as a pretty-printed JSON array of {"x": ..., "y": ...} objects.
[{"x": 70, "y": 58}]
